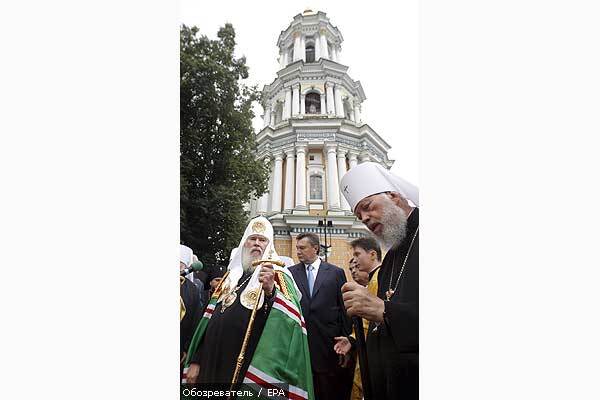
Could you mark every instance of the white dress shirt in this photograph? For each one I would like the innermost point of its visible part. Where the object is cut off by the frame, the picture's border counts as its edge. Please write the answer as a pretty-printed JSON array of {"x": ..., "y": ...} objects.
[{"x": 315, "y": 265}]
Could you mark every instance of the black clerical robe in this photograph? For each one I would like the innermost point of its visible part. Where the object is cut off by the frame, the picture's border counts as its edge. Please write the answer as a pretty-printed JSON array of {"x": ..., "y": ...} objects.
[
  {"x": 393, "y": 345},
  {"x": 221, "y": 344},
  {"x": 193, "y": 313}
]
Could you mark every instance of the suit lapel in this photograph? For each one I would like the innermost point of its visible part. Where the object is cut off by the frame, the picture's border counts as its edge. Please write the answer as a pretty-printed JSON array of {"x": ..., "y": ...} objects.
[
  {"x": 299, "y": 273},
  {"x": 323, "y": 270}
]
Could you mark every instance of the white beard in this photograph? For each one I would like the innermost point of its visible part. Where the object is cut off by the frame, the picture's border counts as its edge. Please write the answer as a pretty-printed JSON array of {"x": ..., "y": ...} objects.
[
  {"x": 247, "y": 259},
  {"x": 394, "y": 226}
]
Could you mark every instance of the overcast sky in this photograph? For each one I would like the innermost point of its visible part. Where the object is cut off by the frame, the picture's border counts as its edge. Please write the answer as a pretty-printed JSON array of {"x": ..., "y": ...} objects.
[{"x": 380, "y": 47}]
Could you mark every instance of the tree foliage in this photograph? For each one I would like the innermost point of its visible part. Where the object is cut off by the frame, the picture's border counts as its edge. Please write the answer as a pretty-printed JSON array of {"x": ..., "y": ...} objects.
[{"x": 219, "y": 171}]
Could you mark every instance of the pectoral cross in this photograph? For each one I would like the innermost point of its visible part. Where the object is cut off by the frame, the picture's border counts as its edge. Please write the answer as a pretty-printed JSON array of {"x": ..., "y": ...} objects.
[{"x": 389, "y": 294}]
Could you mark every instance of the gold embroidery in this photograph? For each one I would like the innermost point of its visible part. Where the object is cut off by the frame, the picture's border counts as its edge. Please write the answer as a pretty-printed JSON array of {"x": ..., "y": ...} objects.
[
  {"x": 281, "y": 284},
  {"x": 259, "y": 227},
  {"x": 218, "y": 290}
]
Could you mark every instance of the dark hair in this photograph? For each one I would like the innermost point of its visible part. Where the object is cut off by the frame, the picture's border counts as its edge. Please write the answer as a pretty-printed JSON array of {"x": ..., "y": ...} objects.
[
  {"x": 367, "y": 244},
  {"x": 312, "y": 238}
]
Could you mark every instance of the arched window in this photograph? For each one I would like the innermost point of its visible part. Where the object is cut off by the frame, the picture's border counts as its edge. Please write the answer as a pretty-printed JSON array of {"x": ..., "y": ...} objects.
[
  {"x": 316, "y": 187},
  {"x": 313, "y": 103},
  {"x": 310, "y": 53}
]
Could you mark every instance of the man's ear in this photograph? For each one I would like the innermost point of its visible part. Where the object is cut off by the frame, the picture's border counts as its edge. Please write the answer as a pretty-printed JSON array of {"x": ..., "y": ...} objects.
[
  {"x": 373, "y": 254},
  {"x": 397, "y": 199}
]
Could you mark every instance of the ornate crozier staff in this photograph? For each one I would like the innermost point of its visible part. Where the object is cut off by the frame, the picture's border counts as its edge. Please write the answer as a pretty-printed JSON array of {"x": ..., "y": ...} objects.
[{"x": 257, "y": 295}]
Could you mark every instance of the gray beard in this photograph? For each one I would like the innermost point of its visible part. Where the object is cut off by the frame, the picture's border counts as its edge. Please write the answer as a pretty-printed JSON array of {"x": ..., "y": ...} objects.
[
  {"x": 394, "y": 227},
  {"x": 247, "y": 260}
]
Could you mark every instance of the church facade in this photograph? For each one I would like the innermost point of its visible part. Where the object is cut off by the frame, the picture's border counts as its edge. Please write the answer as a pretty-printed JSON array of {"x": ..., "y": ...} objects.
[{"x": 313, "y": 133}]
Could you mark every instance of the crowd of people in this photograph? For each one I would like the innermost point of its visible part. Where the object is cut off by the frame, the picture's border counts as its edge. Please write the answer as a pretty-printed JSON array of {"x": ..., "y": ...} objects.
[{"x": 303, "y": 327}]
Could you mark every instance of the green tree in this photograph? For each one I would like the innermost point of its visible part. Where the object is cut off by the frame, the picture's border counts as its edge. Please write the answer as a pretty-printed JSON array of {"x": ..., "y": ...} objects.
[{"x": 219, "y": 172}]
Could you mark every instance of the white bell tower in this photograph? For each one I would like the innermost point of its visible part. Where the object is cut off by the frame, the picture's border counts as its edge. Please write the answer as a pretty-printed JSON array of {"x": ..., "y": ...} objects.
[{"x": 312, "y": 134}]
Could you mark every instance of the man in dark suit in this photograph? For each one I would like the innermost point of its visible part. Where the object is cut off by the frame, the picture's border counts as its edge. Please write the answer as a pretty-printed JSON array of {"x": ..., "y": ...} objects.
[{"x": 323, "y": 310}]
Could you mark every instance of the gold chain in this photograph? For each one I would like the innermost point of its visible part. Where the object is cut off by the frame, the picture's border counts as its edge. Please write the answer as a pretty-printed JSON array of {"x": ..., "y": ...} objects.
[{"x": 242, "y": 284}]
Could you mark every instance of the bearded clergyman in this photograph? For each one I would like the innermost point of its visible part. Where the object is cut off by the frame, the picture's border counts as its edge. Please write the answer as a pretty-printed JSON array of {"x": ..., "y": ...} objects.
[
  {"x": 276, "y": 350},
  {"x": 387, "y": 205}
]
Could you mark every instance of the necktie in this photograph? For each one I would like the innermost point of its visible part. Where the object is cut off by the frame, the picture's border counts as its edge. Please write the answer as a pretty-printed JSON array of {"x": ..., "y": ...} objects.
[{"x": 311, "y": 278}]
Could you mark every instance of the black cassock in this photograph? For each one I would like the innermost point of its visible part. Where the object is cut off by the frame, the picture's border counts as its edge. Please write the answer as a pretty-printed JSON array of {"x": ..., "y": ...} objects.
[
  {"x": 193, "y": 313},
  {"x": 393, "y": 347},
  {"x": 221, "y": 344}
]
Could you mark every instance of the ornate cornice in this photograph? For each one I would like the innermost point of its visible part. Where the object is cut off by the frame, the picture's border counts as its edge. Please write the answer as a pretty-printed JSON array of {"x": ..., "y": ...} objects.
[
  {"x": 331, "y": 147},
  {"x": 301, "y": 148},
  {"x": 316, "y": 135},
  {"x": 320, "y": 73}
]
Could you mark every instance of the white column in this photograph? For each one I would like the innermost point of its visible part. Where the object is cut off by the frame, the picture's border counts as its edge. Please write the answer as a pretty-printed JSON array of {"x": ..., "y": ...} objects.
[
  {"x": 333, "y": 186},
  {"x": 339, "y": 106},
  {"x": 302, "y": 48},
  {"x": 277, "y": 183},
  {"x": 297, "y": 55},
  {"x": 330, "y": 101},
  {"x": 324, "y": 49},
  {"x": 302, "y": 104},
  {"x": 323, "y": 112},
  {"x": 287, "y": 106},
  {"x": 288, "y": 202},
  {"x": 352, "y": 159},
  {"x": 281, "y": 60},
  {"x": 341, "y": 164},
  {"x": 271, "y": 180},
  {"x": 301, "y": 177},
  {"x": 357, "y": 112},
  {"x": 317, "y": 49},
  {"x": 296, "y": 99},
  {"x": 263, "y": 203},
  {"x": 267, "y": 115},
  {"x": 364, "y": 157}
]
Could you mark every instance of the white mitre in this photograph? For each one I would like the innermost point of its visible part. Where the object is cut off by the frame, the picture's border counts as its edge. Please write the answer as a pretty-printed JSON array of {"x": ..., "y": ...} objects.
[
  {"x": 186, "y": 256},
  {"x": 257, "y": 226},
  {"x": 371, "y": 178},
  {"x": 233, "y": 251}
]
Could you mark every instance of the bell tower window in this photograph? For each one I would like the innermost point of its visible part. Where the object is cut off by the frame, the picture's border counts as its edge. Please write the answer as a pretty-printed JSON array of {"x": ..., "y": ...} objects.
[
  {"x": 313, "y": 103},
  {"x": 347, "y": 110},
  {"x": 278, "y": 113},
  {"x": 310, "y": 53},
  {"x": 316, "y": 187}
]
